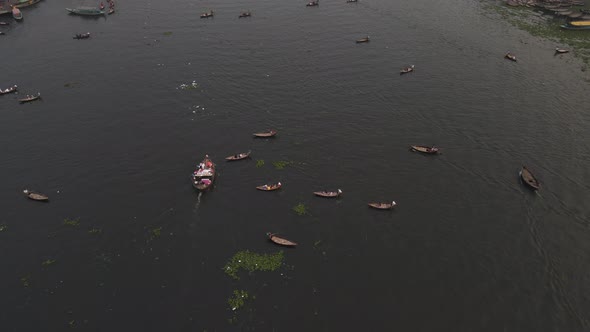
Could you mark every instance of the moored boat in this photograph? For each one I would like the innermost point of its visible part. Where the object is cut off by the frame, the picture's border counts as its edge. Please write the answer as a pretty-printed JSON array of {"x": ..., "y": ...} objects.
[
  {"x": 270, "y": 187},
  {"x": 424, "y": 149},
  {"x": 26, "y": 3},
  {"x": 406, "y": 70},
  {"x": 203, "y": 177},
  {"x": 363, "y": 40},
  {"x": 510, "y": 56},
  {"x": 382, "y": 205},
  {"x": 35, "y": 196},
  {"x": 29, "y": 98},
  {"x": 328, "y": 194},
  {"x": 238, "y": 156},
  {"x": 207, "y": 14},
  {"x": 528, "y": 178},
  {"x": 269, "y": 133},
  {"x": 82, "y": 35},
  {"x": 561, "y": 50},
  {"x": 569, "y": 27},
  {"x": 86, "y": 11},
  {"x": 16, "y": 13},
  {"x": 279, "y": 240},
  {"x": 245, "y": 14},
  {"x": 13, "y": 88}
]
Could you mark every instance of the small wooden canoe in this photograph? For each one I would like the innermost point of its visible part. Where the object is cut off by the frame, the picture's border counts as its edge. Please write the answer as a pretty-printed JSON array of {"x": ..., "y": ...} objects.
[
  {"x": 35, "y": 196},
  {"x": 270, "y": 187},
  {"x": 363, "y": 40},
  {"x": 30, "y": 98},
  {"x": 16, "y": 14},
  {"x": 561, "y": 50},
  {"x": 245, "y": 14},
  {"x": 313, "y": 3},
  {"x": 4, "y": 23},
  {"x": 238, "y": 156},
  {"x": 13, "y": 88},
  {"x": 510, "y": 56},
  {"x": 382, "y": 206},
  {"x": 279, "y": 240},
  {"x": 269, "y": 133},
  {"x": 207, "y": 14},
  {"x": 82, "y": 35},
  {"x": 529, "y": 179},
  {"x": 328, "y": 194},
  {"x": 111, "y": 11},
  {"x": 406, "y": 70},
  {"x": 424, "y": 149},
  {"x": 350, "y": 1}
]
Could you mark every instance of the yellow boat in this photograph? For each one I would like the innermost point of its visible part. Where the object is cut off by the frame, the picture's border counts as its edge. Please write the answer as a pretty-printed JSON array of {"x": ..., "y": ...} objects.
[{"x": 580, "y": 23}]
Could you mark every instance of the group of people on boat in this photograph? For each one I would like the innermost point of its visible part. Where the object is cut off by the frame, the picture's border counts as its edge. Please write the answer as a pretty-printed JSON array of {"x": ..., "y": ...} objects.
[{"x": 111, "y": 6}]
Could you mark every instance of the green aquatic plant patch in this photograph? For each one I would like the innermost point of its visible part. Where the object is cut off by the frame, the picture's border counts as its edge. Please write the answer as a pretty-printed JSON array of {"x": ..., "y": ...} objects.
[
  {"x": 71, "y": 222},
  {"x": 250, "y": 261},
  {"x": 300, "y": 209},
  {"x": 48, "y": 262},
  {"x": 238, "y": 299},
  {"x": 281, "y": 164},
  {"x": 259, "y": 163},
  {"x": 95, "y": 231},
  {"x": 156, "y": 232}
]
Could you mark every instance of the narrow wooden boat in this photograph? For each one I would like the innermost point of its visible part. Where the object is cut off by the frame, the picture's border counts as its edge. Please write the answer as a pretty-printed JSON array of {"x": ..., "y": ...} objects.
[
  {"x": 245, "y": 14},
  {"x": 382, "y": 206},
  {"x": 510, "y": 56},
  {"x": 328, "y": 194},
  {"x": 2, "y": 33},
  {"x": 269, "y": 133},
  {"x": 313, "y": 3},
  {"x": 35, "y": 196},
  {"x": 270, "y": 187},
  {"x": 363, "y": 40},
  {"x": 238, "y": 156},
  {"x": 26, "y": 3},
  {"x": 528, "y": 178},
  {"x": 12, "y": 89},
  {"x": 4, "y": 23},
  {"x": 82, "y": 35},
  {"x": 29, "y": 98},
  {"x": 279, "y": 240},
  {"x": 86, "y": 11},
  {"x": 561, "y": 50},
  {"x": 203, "y": 177},
  {"x": 16, "y": 13},
  {"x": 350, "y": 1},
  {"x": 424, "y": 149},
  {"x": 569, "y": 27},
  {"x": 579, "y": 23},
  {"x": 207, "y": 14},
  {"x": 111, "y": 11},
  {"x": 406, "y": 70}
]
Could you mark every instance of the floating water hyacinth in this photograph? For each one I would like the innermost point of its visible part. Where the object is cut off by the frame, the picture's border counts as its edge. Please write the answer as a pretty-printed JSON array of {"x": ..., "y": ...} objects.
[
  {"x": 189, "y": 86},
  {"x": 238, "y": 300},
  {"x": 251, "y": 262}
]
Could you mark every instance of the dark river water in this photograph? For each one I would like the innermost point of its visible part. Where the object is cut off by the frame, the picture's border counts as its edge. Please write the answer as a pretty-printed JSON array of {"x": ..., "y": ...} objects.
[{"x": 115, "y": 137}]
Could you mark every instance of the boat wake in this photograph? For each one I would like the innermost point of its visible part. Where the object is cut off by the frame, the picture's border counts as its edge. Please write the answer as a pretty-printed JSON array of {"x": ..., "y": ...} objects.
[{"x": 198, "y": 203}]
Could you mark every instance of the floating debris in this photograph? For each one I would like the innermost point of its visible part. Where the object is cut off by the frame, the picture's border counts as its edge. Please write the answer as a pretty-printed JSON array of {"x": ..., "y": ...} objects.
[
  {"x": 193, "y": 85},
  {"x": 26, "y": 281},
  {"x": 3, "y": 228},
  {"x": 95, "y": 231},
  {"x": 48, "y": 262},
  {"x": 251, "y": 262}
]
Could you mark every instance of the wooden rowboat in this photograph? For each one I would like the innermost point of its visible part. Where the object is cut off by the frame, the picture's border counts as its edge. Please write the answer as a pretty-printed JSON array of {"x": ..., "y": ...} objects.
[
  {"x": 269, "y": 133},
  {"x": 245, "y": 14},
  {"x": 29, "y": 98},
  {"x": 363, "y": 40},
  {"x": 13, "y": 88},
  {"x": 207, "y": 14},
  {"x": 510, "y": 56},
  {"x": 270, "y": 187},
  {"x": 82, "y": 35},
  {"x": 238, "y": 156},
  {"x": 313, "y": 3},
  {"x": 528, "y": 178},
  {"x": 16, "y": 14},
  {"x": 111, "y": 11},
  {"x": 383, "y": 206},
  {"x": 424, "y": 149},
  {"x": 328, "y": 194},
  {"x": 561, "y": 50},
  {"x": 35, "y": 196},
  {"x": 406, "y": 70},
  {"x": 202, "y": 178},
  {"x": 280, "y": 241}
]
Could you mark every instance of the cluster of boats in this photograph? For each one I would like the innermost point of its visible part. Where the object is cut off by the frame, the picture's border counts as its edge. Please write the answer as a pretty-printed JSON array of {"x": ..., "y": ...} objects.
[
  {"x": 26, "y": 99},
  {"x": 93, "y": 11},
  {"x": 576, "y": 19}
]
